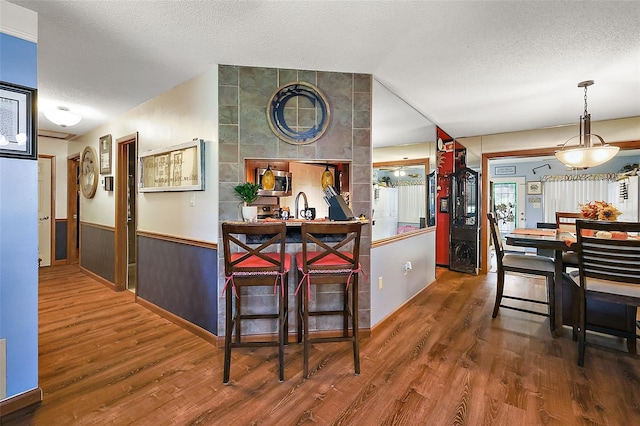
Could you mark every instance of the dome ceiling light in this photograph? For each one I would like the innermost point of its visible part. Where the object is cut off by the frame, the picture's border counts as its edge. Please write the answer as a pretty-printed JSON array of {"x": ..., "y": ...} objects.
[{"x": 62, "y": 117}]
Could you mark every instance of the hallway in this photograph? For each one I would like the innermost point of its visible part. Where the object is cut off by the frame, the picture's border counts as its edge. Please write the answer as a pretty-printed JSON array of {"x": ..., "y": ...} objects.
[{"x": 440, "y": 361}]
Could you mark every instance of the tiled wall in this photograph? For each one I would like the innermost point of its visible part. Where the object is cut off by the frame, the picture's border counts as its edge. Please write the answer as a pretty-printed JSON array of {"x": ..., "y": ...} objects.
[{"x": 244, "y": 132}]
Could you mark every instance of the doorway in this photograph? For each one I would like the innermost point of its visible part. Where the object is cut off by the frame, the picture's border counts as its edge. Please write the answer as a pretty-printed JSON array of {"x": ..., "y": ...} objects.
[
  {"x": 126, "y": 217},
  {"x": 73, "y": 208},
  {"x": 509, "y": 204}
]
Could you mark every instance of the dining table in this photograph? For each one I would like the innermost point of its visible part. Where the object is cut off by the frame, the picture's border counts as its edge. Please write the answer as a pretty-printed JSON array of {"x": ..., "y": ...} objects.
[{"x": 548, "y": 239}]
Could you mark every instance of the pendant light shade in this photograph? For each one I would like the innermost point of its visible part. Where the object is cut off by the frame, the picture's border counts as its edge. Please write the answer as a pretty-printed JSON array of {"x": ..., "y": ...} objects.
[
  {"x": 327, "y": 178},
  {"x": 268, "y": 179},
  {"x": 586, "y": 153}
]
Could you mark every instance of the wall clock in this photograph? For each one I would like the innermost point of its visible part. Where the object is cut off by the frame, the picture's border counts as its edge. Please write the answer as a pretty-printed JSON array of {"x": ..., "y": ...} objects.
[{"x": 88, "y": 172}]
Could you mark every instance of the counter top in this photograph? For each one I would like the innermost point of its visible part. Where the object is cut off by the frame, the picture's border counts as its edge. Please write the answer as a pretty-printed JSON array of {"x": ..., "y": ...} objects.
[{"x": 299, "y": 222}]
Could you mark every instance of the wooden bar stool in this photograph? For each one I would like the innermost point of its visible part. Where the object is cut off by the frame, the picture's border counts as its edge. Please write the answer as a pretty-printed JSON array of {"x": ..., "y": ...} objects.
[
  {"x": 330, "y": 255},
  {"x": 254, "y": 256}
]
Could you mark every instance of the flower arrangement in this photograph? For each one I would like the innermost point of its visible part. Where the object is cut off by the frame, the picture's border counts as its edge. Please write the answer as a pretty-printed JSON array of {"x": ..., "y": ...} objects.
[{"x": 599, "y": 210}]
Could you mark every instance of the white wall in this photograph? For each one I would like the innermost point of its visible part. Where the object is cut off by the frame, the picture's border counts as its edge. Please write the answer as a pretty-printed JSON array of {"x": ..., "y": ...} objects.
[
  {"x": 187, "y": 111},
  {"x": 387, "y": 261}
]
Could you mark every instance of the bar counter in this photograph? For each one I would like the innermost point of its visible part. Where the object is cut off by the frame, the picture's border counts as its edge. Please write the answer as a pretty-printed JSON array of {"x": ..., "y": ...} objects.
[{"x": 294, "y": 233}]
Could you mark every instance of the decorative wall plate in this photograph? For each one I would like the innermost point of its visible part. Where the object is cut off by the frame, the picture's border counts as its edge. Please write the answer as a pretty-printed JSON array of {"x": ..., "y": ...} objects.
[
  {"x": 88, "y": 172},
  {"x": 298, "y": 123}
]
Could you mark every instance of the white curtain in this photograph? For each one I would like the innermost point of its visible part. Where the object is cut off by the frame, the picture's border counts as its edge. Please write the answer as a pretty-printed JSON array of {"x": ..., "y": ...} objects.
[
  {"x": 565, "y": 195},
  {"x": 411, "y": 203}
]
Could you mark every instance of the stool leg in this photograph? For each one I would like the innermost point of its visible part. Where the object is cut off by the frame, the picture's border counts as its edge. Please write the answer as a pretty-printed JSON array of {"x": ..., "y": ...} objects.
[
  {"x": 299, "y": 303},
  {"x": 356, "y": 332},
  {"x": 228, "y": 328},
  {"x": 345, "y": 312},
  {"x": 238, "y": 316},
  {"x": 305, "y": 328},
  {"x": 282, "y": 328}
]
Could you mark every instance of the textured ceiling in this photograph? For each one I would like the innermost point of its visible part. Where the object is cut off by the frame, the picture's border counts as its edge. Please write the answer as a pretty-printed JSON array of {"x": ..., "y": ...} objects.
[{"x": 471, "y": 67}]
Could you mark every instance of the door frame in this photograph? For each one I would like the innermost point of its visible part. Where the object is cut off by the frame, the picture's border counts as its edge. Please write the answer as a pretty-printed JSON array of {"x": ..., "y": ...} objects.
[
  {"x": 52, "y": 215},
  {"x": 121, "y": 184},
  {"x": 73, "y": 165},
  {"x": 539, "y": 152}
]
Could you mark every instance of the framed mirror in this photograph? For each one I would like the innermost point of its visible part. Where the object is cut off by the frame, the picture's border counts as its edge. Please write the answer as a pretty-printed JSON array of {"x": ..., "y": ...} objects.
[{"x": 403, "y": 157}]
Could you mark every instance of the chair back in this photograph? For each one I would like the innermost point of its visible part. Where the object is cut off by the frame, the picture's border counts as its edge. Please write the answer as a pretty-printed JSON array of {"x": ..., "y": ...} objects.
[
  {"x": 330, "y": 247},
  {"x": 495, "y": 235},
  {"x": 254, "y": 248},
  {"x": 566, "y": 221},
  {"x": 608, "y": 250}
]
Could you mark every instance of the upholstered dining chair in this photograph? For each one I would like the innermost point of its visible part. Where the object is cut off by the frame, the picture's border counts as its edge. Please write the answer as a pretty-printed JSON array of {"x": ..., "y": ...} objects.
[
  {"x": 330, "y": 255},
  {"x": 520, "y": 263},
  {"x": 566, "y": 222},
  {"x": 254, "y": 256},
  {"x": 609, "y": 270}
]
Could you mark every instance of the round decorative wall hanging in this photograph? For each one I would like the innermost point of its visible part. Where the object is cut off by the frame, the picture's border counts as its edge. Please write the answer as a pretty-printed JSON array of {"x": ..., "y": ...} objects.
[
  {"x": 88, "y": 172},
  {"x": 311, "y": 117}
]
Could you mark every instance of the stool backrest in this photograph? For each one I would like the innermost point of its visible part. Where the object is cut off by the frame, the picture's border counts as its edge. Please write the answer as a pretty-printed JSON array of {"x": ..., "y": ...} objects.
[
  {"x": 330, "y": 246},
  {"x": 250, "y": 247},
  {"x": 608, "y": 250}
]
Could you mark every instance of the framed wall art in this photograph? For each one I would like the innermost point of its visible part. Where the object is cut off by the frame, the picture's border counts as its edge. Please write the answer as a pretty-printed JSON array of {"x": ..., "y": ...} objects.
[
  {"x": 505, "y": 170},
  {"x": 105, "y": 155},
  {"x": 176, "y": 168},
  {"x": 534, "y": 188},
  {"x": 444, "y": 205},
  {"x": 18, "y": 137}
]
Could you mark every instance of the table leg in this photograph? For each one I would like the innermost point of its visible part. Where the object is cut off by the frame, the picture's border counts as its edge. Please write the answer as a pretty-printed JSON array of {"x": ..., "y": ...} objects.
[{"x": 555, "y": 319}]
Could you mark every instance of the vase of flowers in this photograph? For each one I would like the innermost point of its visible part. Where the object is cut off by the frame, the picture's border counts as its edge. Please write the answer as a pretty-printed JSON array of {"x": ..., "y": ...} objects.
[
  {"x": 599, "y": 210},
  {"x": 248, "y": 192}
]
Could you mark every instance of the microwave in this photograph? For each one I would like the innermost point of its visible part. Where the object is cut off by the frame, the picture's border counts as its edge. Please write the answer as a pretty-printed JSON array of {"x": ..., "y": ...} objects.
[{"x": 282, "y": 186}]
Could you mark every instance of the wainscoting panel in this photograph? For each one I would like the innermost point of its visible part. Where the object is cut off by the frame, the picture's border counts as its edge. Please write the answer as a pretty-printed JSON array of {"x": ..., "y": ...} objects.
[
  {"x": 61, "y": 239},
  {"x": 180, "y": 278},
  {"x": 97, "y": 250}
]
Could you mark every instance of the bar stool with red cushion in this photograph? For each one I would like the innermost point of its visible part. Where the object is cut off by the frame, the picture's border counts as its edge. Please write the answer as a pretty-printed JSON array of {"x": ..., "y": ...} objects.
[
  {"x": 254, "y": 256},
  {"x": 330, "y": 255}
]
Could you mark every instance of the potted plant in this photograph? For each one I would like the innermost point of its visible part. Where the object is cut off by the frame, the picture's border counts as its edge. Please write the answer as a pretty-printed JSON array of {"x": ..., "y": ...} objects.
[{"x": 248, "y": 192}]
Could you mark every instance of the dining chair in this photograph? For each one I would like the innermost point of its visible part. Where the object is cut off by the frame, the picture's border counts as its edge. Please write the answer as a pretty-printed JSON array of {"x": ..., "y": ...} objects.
[
  {"x": 566, "y": 222},
  {"x": 609, "y": 270},
  {"x": 330, "y": 255},
  {"x": 254, "y": 256},
  {"x": 524, "y": 264}
]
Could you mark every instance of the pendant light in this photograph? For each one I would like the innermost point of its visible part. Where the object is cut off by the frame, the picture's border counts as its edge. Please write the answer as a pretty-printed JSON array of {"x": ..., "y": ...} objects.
[
  {"x": 268, "y": 179},
  {"x": 586, "y": 154},
  {"x": 327, "y": 178}
]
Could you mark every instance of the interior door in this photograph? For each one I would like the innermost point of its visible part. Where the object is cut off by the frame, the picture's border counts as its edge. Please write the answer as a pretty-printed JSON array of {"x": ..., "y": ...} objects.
[
  {"x": 44, "y": 211},
  {"x": 509, "y": 204}
]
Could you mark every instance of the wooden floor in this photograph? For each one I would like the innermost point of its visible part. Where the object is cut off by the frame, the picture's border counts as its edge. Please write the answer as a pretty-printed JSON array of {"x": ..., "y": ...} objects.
[{"x": 441, "y": 361}]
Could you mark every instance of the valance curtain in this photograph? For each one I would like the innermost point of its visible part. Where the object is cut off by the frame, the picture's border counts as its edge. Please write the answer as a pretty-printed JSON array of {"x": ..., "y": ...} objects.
[
  {"x": 564, "y": 193},
  {"x": 411, "y": 203}
]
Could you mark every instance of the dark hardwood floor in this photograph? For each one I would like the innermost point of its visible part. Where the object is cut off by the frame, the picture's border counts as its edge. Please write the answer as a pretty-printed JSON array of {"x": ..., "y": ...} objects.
[{"x": 441, "y": 360}]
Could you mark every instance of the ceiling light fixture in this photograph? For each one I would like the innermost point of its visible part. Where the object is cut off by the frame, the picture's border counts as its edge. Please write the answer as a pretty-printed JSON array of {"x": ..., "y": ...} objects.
[
  {"x": 62, "y": 117},
  {"x": 586, "y": 154}
]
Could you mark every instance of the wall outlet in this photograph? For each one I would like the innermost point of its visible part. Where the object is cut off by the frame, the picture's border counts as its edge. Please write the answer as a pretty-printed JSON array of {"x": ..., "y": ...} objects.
[{"x": 379, "y": 283}]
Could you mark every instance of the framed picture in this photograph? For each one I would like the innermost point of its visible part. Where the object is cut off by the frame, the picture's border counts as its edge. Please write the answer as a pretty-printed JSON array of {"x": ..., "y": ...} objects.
[
  {"x": 18, "y": 137},
  {"x": 534, "y": 188},
  {"x": 505, "y": 170},
  {"x": 444, "y": 205},
  {"x": 105, "y": 155},
  {"x": 176, "y": 168}
]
